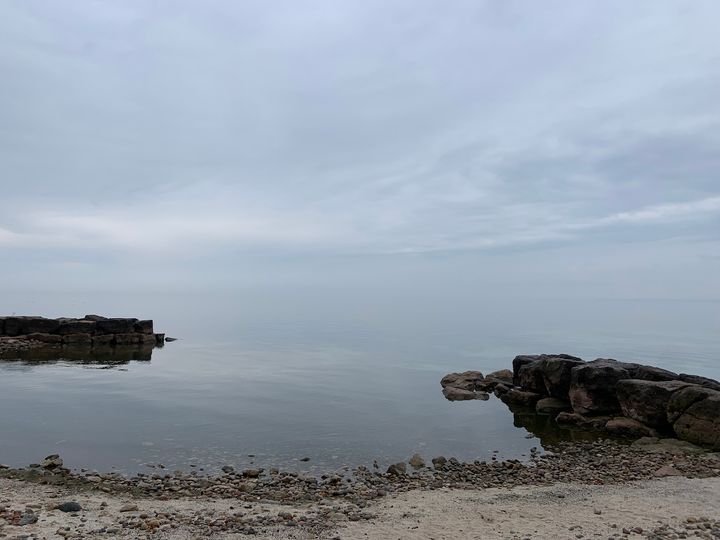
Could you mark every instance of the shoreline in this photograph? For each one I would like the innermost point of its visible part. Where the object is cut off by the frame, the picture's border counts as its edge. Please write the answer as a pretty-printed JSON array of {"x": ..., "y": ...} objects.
[{"x": 255, "y": 501}]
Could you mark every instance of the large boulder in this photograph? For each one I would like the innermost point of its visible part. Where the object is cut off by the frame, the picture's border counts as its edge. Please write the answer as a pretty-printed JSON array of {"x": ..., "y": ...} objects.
[
  {"x": 467, "y": 380},
  {"x": 647, "y": 401},
  {"x": 556, "y": 375},
  {"x": 694, "y": 413},
  {"x": 529, "y": 370},
  {"x": 592, "y": 386}
]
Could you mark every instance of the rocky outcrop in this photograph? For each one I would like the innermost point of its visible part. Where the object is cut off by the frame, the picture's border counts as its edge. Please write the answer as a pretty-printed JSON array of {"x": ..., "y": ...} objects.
[
  {"x": 467, "y": 380},
  {"x": 622, "y": 398},
  {"x": 90, "y": 331}
]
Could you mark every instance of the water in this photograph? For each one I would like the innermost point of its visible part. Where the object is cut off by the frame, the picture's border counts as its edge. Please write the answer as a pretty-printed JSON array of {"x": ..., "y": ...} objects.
[{"x": 257, "y": 379}]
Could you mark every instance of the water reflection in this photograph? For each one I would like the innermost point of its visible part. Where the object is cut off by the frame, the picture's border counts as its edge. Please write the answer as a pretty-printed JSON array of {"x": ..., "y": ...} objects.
[
  {"x": 545, "y": 428},
  {"x": 106, "y": 356}
]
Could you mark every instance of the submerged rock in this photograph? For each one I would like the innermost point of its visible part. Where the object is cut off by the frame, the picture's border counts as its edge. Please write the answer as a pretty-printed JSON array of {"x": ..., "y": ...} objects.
[
  {"x": 458, "y": 394},
  {"x": 552, "y": 405},
  {"x": 627, "y": 427}
]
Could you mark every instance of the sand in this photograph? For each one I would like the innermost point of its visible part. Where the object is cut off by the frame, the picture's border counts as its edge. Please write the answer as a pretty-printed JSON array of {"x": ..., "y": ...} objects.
[{"x": 559, "y": 511}]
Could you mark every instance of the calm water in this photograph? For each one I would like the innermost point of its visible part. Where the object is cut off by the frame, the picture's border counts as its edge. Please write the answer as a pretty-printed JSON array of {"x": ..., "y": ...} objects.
[{"x": 266, "y": 380}]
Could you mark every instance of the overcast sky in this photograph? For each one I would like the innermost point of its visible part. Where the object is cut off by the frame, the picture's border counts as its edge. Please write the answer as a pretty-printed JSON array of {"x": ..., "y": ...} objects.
[{"x": 571, "y": 145}]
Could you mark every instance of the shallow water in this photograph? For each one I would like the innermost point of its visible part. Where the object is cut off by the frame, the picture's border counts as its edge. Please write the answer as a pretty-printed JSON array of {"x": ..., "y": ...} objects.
[{"x": 339, "y": 384}]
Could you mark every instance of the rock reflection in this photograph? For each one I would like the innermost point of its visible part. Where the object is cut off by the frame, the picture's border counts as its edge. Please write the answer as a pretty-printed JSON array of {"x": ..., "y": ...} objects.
[
  {"x": 82, "y": 356},
  {"x": 544, "y": 427}
]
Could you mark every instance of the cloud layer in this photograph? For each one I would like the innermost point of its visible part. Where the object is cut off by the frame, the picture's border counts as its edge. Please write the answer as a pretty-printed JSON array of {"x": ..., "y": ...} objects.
[{"x": 178, "y": 131}]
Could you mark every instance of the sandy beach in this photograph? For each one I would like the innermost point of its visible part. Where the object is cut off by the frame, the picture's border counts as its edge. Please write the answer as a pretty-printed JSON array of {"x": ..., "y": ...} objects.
[{"x": 662, "y": 508}]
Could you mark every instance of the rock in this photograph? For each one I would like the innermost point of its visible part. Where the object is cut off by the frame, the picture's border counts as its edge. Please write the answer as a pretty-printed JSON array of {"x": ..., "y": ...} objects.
[
  {"x": 252, "y": 473},
  {"x": 458, "y": 394},
  {"x": 646, "y": 401},
  {"x": 49, "y": 339},
  {"x": 94, "y": 318},
  {"x": 160, "y": 339},
  {"x": 491, "y": 380},
  {"x": 77, "y": 339},
  {"x": 227, "y": 469},
  {"x": 525, "y": 359},
  {"x": 143, "y": 327},
  {"x": 530, "y": 376},
  {"x": 556, "y": 376},
  {"x": 416, "y": 461},
  {"x": 28, "y": 519},
  {"x": 12, "y": 326},
  {"x": 466, "y": 380},
  {"x": 694, "y": 413},
  {"x": 700, "y": 381},
  {"x": 501, "y": 389},
  {"x": 103, "y": 340},
  {"x": 655, "y": 445},
  {"x": 129, "y": 507},
  {"x": 627, "y": 427},
  {"x": 127, "y": 339},
  {"x": 580, "y": 421},
  {"x": 520, "y": 397},
  {"x": 147, "y": 339},
  {"x": 397, "y": 469},
  {"x": 38, "y": 325},
  {"x": 592, "y": 386},
  {"x": 667, "y": 470},
  {"x": 551, "y": 405},
  {"x": 52, "y": 462},
  {"x": 439, "y": 462},
  {"x": 69, "y": 507},
  {"x": 169, "y": 339},
  {"x": 75, "y": 326},
  {"x": 116, "y": 326}
]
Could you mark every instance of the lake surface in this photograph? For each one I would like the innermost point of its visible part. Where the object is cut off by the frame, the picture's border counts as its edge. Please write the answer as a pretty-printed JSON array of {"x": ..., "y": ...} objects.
[{"x": 344, "y": 380}]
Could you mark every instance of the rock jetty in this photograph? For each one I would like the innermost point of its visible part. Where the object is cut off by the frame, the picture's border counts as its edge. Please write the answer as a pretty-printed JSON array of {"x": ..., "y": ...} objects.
[
  {"x": 620, "y": 398},
  {"x": 23, "y": 332}
]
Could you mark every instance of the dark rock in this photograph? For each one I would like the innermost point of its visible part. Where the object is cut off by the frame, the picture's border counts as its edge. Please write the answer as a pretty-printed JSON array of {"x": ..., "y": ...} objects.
[
  {"x": 627, "y": 427},
  {"x": 530, "y": 376},
  {"x": 77, "y": 339},
  {"x": 556, "y": 373},
  {"x": 551, "y": 405},
  {"x": 701, "y": 381},
  {"x": 467, "y": 380},
  {"x": 147, "y": 339},
  {"x": 491, "y": 380},
  {"x": 501, "y": 389},
  {"x": 103, "y": 340},
  {"x": 592, "y": 386},
  {"x": 227, "y": 469},
  {"x": 38, "y": 325},
  {"x": 169, "y": 339},
  {"x": 252, "y": 473},
  {"x": 160, "y": 339},
  {"x": 12, "y": 326},
  {"x": 69, "y": 507},
  {"x": 144, "y": 327},
  {"x": 646, "y": 401},
  {"x": 458, "y": 394},
  {"x": 439, "y": 462},
  {"x": 127, "y": 339},
  {"x": 524, "y": 359},
  {"x": 116, "y": 326},
  {"x": 397, "y": 469},
  {"x": 75, "y": 326},
  {"x": 580, "y": 421},
  {"x": 520, "y": 397},
  {"x": 28, "y": 519},
  {"x": 694, "y": 413}
]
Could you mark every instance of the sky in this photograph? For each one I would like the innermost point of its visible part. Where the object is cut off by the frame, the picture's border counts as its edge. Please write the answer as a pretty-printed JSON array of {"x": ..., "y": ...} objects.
[{"x": 520, "y": 148}]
